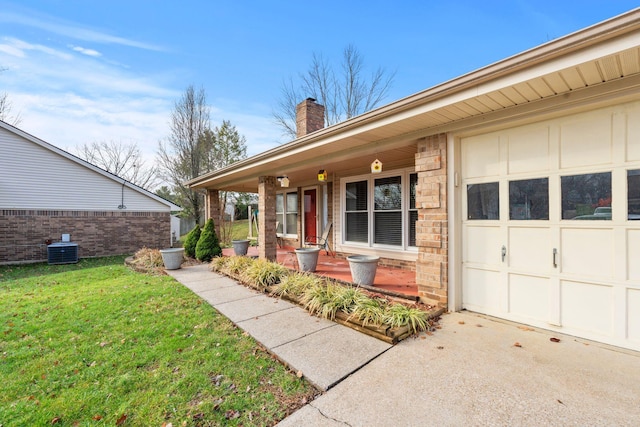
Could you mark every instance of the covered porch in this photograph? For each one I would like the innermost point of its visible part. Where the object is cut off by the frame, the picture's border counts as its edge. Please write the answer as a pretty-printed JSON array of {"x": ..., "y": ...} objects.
[{"x": 388, "y": 280}]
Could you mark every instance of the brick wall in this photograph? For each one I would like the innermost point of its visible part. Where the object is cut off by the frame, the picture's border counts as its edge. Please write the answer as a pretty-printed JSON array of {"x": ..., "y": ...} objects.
[
  {"x": 267, "y": 218},
  {"x": 24, "y": 233},
  {"x": 432, "y": 226}
]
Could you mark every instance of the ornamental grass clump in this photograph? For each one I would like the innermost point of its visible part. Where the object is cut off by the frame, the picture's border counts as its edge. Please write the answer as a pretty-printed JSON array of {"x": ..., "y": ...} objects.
[
  {"x": 218, "y": 264},
  {"x": 148, "y": 258},
  {"x": 262, "y": 274},
  {"x": 399, "y": 315},
  {"x": 320, "y": 299},
  {"x": 237, "y": 265},
  {"x": 347, "y": 298},
  {"x": 293, "y": 285},
  {"x": 370, "y": 311}
]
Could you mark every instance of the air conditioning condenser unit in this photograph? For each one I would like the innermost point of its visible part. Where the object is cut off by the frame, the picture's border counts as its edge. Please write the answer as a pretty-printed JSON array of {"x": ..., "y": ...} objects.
[{"x": 62, "y": 253}]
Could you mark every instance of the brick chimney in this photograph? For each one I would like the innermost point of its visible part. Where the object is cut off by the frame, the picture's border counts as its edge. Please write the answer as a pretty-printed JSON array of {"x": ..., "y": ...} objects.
[{"x": 309, "y": 117}]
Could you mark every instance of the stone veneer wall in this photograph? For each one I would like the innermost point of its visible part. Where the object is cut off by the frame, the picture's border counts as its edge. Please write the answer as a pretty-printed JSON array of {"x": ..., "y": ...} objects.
[
  {"x": 432, "y": 225},
  {"x": 24, "y": 233}
]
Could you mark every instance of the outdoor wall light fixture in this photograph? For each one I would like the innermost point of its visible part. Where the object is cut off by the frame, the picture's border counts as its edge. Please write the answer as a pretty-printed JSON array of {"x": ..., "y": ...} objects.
[
  {"x": 376, "y": 166},
  {"x": 284, "y": 181},
  {"x": 322, "y": 175}
]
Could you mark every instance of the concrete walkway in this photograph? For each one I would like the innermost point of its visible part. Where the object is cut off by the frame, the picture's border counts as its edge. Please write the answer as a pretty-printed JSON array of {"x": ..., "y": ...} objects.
[
  {"x": 325, "y": 352},
  {"x": 474, "y": 371}
]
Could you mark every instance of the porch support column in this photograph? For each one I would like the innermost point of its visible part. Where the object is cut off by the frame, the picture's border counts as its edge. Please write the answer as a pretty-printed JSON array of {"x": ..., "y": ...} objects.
[
  {"x": 432, "y": 225},
  {"x": 212, "y": 208},
  {"x": 267, "y": 218}
]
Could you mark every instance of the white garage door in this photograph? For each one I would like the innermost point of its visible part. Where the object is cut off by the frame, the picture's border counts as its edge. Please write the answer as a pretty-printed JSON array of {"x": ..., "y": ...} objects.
[{"x": 551, "y": 228}]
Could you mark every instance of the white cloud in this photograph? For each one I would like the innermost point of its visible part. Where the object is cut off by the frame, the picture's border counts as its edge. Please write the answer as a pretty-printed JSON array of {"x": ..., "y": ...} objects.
[
  {"x": 56, "y": 26},
  {"x": 85, "y": 51}
]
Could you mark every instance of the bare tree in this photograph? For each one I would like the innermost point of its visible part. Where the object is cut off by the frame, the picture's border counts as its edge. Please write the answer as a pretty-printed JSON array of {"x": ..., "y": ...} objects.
[
  {"x": 121, "y": 159},
  {"x": 344, "y": 94},
  {"x": 183, "y": 156},
  {"x": 6, "y": 107}
]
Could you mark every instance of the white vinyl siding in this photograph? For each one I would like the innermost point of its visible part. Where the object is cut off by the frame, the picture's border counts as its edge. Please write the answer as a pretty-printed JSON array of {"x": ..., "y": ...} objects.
[{"x": 34, "y": 177}]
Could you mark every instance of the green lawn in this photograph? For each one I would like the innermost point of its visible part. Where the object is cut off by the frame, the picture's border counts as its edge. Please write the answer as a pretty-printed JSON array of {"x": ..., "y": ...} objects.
[{"x": 94, "y": 343}]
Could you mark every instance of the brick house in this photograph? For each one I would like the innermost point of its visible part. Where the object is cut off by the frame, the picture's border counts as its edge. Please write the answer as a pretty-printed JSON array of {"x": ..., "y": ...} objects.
[
  {"x": 513, "y": 190},
  {"x": 46, "y": 192}
]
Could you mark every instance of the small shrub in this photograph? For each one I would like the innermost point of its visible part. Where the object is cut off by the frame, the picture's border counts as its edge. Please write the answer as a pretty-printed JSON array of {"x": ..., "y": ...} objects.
[
  {"x": 208, "y": 246},
  {"x": 191, "y": 241},
  {"x": 400, "y": 315},
  {"x": 263, "y": 273}
]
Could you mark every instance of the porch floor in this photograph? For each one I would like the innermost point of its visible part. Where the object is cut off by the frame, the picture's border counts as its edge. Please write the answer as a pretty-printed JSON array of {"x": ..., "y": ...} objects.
[{"x": 387, "y": 278}]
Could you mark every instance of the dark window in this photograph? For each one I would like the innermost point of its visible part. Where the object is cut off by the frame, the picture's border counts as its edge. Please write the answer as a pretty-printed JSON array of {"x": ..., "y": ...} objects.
[
  {"x": 413, "y": 211},
  {"x": 483, "y": 201},
  {"x": 388, "y": 211},
  {"x": 357, "y": 217},
  {"x": 633, "y": 194},
  {"x": 586, "y": 197},
  {"x": 529, "y": 199}
]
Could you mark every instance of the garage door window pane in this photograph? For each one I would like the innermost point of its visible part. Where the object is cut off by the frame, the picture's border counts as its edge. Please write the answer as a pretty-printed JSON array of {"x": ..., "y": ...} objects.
[
  {"x": 633, "y": 194},
  {"x": 586, "y": 197},
  {"x": 482, "y": 201},
  {"x": 529, "y": 199}
]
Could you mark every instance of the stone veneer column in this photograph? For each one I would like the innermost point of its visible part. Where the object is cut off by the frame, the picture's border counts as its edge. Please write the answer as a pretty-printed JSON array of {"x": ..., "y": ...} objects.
[
  {"x": 432, "y": 225},
  {"x": 267, "y": 218},
  {"x": 212, "y": 208}
]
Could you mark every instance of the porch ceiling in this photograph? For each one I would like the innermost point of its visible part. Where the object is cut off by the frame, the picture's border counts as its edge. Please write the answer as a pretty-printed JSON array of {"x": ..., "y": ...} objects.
[{"x": 595, "y": 62}]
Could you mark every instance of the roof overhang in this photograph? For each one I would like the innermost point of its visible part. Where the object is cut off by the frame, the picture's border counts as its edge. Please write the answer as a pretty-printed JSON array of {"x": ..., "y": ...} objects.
[{"x": 599, "y": 64}]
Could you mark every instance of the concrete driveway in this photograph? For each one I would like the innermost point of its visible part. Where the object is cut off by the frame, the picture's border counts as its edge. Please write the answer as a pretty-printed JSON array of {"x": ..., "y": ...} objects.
[{"x": 479, "y": 371}]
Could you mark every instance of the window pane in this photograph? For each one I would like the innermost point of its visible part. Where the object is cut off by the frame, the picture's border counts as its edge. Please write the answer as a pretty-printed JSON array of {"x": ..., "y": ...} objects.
[
  {"x": 633, "y": 194},
  {"x": 482, "y": 201},
  {"x": 357, "y": 226},
  {"x": 356, "y": 194},
  {"x": 388, "y": 193},
  {"x": 413, "y": 183},
  {"x": 413, "y": 217},
  {"x": 292, "y": 202},
  {"x": 587, "y": 196},
  {"x": 292, "y": 223},
  {"x": 529, "y": 199},
  {"x": 388, "y": 228},
  {"x": 279, "y": 203}
]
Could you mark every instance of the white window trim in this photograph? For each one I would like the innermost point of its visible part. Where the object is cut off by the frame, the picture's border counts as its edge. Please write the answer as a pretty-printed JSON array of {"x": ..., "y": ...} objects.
[{"x": 370, "y": 178}]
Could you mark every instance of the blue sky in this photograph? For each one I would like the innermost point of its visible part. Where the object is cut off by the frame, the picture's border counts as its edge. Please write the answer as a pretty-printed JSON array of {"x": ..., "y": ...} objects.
[{"x": 85, "y": 70}]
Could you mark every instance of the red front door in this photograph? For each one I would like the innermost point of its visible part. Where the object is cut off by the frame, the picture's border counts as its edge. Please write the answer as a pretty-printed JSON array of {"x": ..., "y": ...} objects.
[{"x": 310, "y": 216}]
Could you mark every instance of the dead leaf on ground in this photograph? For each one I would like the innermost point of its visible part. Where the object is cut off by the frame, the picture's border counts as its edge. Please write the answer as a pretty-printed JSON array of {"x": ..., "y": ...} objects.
[
  {"x": 554, "y": 339},
  {"x": 440, "y": 347},
  {"x": 56, "y": 420},
  {"x": 560, "y": 401},
  {"x": 97, "y": 417},
  {"x": 121, "y": 420},
  {"x": 517, "y": 344},
  {"x": 461, "y": 322},
  {"x": 478, "y": 325},
  {"x": 231, "y": 414},
  {"x": 299, "y": 374}
]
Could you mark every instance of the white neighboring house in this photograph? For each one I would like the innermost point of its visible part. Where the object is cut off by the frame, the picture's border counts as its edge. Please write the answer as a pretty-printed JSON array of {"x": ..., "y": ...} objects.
[{"x": 46, "y": 192}]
